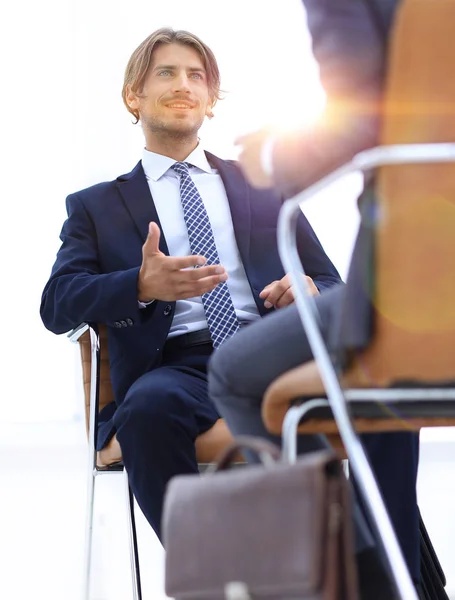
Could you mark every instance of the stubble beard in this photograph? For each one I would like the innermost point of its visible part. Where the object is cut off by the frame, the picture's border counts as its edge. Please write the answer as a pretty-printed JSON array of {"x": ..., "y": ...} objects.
[{"x": 175, "y": 132}]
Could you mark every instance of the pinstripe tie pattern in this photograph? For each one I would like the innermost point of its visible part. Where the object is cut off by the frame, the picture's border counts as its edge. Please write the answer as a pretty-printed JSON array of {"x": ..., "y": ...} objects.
[{"x": 219, "y": 309}]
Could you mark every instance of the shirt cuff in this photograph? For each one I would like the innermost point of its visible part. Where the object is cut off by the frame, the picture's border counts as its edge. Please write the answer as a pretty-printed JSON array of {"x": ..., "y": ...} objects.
[{"x": 267, "y": 156}]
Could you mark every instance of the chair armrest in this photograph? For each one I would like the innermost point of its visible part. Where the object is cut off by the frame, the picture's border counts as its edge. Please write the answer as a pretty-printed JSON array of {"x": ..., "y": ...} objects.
[
  {"x": 92, "y": 402},
  {"x": 380, "y": 156},
  {"x": 76, "y": 333}
]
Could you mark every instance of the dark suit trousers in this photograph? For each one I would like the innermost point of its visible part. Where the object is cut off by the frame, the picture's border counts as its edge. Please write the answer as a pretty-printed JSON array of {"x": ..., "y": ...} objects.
[
  {"x": 157, "y": 423},
  {"x": 241, "y": 370}
]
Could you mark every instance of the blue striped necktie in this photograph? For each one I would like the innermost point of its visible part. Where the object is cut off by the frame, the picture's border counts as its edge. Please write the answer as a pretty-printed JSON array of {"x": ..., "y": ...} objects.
[{"x": 219, "y": 308}]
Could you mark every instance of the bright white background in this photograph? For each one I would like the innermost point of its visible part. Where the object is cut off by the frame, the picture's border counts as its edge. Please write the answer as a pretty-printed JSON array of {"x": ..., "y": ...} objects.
[{"x": 63, "y": 127}]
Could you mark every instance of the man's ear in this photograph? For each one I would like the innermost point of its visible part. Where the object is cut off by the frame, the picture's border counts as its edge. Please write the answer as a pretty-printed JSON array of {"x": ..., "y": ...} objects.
[
  {"x": 131, "y": 98},
  {"x": 209, "y": 111}
]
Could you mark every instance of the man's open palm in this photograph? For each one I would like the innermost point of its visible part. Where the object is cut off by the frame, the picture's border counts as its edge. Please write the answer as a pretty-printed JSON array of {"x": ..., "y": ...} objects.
[{"x": 172, "y": 278}]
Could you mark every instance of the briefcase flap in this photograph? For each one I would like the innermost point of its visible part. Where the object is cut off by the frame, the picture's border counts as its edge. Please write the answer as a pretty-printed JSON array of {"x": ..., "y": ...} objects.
[{"x": 261, "y": 529}]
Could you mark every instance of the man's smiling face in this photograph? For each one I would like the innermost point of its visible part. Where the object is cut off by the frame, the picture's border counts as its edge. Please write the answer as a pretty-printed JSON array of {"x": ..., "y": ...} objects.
[{"x": 175, "y": 97}]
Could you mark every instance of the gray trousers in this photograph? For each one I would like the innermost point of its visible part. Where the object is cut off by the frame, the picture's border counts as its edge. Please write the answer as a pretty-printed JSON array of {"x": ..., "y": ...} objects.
[
  {"x": 241, "y": 370},
  {"x": 243, "y": 367}
]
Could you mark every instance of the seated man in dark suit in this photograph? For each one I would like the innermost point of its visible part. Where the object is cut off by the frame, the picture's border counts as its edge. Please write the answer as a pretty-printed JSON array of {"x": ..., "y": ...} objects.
[
  {"x": 349, "y": 40},
  {"x": 149, "y": 255}
]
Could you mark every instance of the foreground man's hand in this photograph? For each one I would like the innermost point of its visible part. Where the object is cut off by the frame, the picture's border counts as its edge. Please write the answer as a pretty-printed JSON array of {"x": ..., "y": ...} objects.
[
  {"x": 279, "y": 293},
  {"x": 171, "y": 278},
  {"x": 250, "y": 157}
]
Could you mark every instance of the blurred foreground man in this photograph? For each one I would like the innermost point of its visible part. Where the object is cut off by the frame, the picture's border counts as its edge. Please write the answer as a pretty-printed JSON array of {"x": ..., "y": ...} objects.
[{"x": 349, "y": 42}]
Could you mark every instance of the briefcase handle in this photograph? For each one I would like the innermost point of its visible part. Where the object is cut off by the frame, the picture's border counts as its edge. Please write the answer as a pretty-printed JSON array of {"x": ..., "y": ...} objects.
[{"x": 267, "y": 452}]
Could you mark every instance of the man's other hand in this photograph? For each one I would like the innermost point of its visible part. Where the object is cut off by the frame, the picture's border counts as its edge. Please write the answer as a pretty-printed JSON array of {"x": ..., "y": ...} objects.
[
  {"x": 251, "y": 160},
  {"x": 279, "y": 293},
  {"x": 172, "y": 278}
]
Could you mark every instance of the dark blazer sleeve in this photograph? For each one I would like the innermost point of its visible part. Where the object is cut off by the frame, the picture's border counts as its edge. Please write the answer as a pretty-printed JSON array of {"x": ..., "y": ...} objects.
[
  {"x": 348, "y": 40},
  {"x": 77, "y": 290},
  {"x": 314, "y": 260}
]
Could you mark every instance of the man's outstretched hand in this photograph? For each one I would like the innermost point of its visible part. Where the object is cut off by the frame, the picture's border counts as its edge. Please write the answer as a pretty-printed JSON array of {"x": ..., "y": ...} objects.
[{"x": 172, "y": 278}]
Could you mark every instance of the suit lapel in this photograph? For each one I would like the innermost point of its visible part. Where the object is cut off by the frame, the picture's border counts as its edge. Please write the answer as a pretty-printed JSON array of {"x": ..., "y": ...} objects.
[
  {"x": 138, "y": 201},
  {"x": 238, "y": 194}
]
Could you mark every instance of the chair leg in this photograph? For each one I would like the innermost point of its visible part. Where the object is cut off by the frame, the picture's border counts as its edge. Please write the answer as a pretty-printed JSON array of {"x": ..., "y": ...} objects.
[
  {"x": 134, "y": 554},
  {"x": 374, "y": 503},
  {"x": 89, "y": 533},
  {"x": 365, "y": 479}
]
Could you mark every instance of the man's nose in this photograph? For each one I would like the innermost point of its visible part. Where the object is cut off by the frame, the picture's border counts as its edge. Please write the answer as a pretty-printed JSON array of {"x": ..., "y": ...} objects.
[{"x": 182, "y": 83}]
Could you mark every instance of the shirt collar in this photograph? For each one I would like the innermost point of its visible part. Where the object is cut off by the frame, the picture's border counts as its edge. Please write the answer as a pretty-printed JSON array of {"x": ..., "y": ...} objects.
[{"x": 156, "y": 165}]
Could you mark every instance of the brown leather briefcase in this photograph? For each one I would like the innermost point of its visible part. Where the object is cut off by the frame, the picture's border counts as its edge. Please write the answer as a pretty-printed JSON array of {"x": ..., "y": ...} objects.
[{"x": 272, "y": 531}]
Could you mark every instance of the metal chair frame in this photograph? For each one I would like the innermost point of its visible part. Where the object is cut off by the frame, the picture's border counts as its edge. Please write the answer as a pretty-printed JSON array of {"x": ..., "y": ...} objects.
[
  {"x": 93, "y": 471},
  {"x": 337, "y": 398}
]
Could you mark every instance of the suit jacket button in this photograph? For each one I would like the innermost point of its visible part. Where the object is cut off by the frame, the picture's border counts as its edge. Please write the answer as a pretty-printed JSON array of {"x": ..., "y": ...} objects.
[
  {"x": 129, "y": 322},
  {"x": 118, "y": 324},
  {"x": 124, "y": 323},
  {"x": 167, "y": 310}
]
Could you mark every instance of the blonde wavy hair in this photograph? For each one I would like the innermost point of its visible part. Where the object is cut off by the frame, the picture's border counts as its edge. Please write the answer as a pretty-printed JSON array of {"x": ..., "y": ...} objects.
[{"x": 139, "y": 63}]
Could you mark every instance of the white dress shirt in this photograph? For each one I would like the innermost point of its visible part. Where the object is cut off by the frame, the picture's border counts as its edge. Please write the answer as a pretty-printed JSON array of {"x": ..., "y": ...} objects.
[{"x": 164, "y": 184}]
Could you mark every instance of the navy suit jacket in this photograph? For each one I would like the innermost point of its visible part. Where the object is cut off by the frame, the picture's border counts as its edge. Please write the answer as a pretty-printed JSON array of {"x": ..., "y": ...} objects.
[{"x": 94, "y": 278}]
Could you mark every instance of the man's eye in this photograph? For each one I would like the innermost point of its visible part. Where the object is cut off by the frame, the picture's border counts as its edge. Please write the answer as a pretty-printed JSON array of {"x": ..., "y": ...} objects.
[
  {"x": 164, "y": 72},
  {"x": 196, "y": 75}
]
